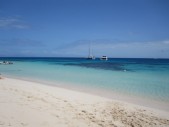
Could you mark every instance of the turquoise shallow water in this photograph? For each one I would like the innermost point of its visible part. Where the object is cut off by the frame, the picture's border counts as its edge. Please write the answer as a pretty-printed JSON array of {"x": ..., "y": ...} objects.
[{"x": 137, "y": 77}]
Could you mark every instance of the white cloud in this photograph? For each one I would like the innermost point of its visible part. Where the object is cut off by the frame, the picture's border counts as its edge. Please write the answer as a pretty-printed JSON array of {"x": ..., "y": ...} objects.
[
  {"x": 12, "y": 23},
  {"x": 166, "y": 42},
  {"x": 152, "y": 49}
]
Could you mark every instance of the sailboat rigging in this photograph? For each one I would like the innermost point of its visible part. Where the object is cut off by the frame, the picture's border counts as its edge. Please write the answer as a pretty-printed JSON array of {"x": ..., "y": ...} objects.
[{"x": 90, "y": 56}]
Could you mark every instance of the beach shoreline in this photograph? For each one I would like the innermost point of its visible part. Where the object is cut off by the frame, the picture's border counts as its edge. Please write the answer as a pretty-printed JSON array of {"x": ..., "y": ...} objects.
[
  {"x": 120, "y": 97},
  {"x": 23, "y": 101}
]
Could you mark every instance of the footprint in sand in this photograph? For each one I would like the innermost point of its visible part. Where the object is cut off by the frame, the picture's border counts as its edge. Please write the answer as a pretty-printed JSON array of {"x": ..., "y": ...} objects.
[
  {"x": 24, "y": 124},
  {"x": 1, "y": 123}
]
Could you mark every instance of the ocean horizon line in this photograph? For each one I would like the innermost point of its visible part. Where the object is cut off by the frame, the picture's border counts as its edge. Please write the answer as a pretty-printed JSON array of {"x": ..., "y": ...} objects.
[{"x": 77, "y": 57}]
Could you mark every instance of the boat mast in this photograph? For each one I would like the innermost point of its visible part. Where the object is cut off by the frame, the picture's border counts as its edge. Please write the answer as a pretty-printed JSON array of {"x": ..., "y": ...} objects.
[
  {"x": 90, "y": 56},
  {"x": 90, "y": 49}
]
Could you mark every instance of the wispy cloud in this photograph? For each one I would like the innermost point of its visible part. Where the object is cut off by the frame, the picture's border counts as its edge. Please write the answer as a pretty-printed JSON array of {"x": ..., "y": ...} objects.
[
  {"x": 18, "y": 42},
  {"x": 111, "y": 48},
  {"x": 21, "y": 47},
  {"x": 115, "y": 48},
  {"x": 12, "y": 23},
  {"x": 166, "y": 42}
]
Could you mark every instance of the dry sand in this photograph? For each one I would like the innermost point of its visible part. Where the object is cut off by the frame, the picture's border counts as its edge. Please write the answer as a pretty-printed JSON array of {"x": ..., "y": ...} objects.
[{"x": 29, "y": 104}]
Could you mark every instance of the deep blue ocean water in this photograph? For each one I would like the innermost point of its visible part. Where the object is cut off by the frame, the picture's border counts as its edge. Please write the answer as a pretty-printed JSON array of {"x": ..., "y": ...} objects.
[{"x": 137, "y": 77}]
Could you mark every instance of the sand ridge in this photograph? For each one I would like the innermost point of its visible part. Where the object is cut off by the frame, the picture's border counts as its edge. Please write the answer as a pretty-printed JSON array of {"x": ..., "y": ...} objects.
[{"x": 29, "y": 104}]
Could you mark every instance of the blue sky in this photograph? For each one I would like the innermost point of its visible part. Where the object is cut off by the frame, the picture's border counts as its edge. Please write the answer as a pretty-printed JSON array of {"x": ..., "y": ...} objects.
[{"x": 116, "y": 28}]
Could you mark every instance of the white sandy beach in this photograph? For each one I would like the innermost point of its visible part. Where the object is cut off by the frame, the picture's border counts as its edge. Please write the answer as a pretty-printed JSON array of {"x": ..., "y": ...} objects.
[{"x": 30, "y": 104}]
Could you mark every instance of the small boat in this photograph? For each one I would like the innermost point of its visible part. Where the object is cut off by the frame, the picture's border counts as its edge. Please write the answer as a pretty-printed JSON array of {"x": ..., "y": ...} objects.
[
  {"x": 6, "y": 62},
  {"x": 104, "y": 58}
]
